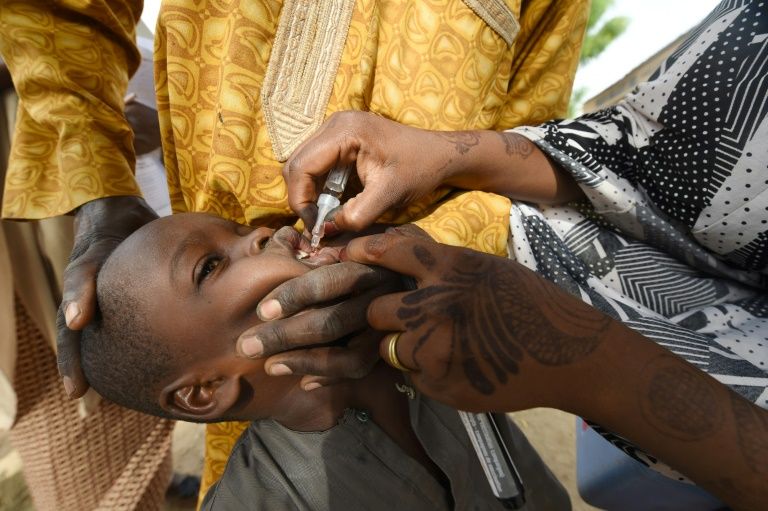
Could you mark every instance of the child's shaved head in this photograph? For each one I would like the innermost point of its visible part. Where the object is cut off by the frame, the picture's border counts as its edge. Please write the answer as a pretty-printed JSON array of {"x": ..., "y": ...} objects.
[{"x": 121, "y": 357}]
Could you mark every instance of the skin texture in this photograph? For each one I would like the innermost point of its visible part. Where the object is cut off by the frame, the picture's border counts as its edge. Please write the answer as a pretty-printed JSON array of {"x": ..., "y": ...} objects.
[
  {"x": 483, "y": 333},
  {"x": 395, "y": 165}
]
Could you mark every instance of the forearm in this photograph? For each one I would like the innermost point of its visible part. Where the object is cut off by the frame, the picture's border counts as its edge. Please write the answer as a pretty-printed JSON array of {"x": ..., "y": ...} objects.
[
  {"x": 678, "y": 413},
  {"x": 623, "y": 381},
  {"x": 504, "y": 163}
]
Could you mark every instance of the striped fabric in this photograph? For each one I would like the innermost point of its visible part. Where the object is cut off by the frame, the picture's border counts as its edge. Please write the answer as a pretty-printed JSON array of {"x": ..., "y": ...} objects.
[{"x": 673, "y": 241}]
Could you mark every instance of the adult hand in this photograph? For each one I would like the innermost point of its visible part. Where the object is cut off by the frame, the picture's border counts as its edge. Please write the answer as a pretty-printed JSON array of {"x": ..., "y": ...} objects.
[
  {"x": 100, "y": 225},
  {"x": 313, "y": 310},
  {"x": 396, "y": 164},
  {"x": 481, "y": 332}
]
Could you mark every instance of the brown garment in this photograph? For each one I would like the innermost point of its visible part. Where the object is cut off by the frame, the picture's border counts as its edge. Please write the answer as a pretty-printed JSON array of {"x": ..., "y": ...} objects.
[{"x": 112, "y": 459}]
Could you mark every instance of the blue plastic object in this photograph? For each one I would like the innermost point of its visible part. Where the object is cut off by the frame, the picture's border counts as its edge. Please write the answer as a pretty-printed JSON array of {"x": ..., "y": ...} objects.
[{"x": 609, "y": 479}]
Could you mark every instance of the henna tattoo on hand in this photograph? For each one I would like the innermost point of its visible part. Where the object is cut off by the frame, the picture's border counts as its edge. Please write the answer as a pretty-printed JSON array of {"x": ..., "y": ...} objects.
[
  {"x": 679, "y": 401},
  {"x": 424, "y": 256},
  {"x": 515, "y": 144},
  {"x": 462, "y": 141},
  {"x": 498, "y": 312},
  {"x": 752, "y": 424}
]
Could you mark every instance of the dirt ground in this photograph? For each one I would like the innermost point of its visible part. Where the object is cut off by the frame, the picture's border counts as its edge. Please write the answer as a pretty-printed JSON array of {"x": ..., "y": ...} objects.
[{"x": 552, "y": 432}]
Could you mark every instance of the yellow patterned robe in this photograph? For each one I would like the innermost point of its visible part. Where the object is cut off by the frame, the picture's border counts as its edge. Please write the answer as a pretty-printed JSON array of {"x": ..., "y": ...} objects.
[{"x": 241, "y": 83}]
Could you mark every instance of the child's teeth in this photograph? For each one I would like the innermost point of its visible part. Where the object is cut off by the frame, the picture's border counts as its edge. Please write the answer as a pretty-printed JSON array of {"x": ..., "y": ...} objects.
[{"x": 300, "y": 254}]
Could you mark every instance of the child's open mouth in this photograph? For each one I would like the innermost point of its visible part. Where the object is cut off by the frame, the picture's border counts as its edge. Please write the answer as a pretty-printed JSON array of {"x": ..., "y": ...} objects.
[{"x": 321, "y": 257}]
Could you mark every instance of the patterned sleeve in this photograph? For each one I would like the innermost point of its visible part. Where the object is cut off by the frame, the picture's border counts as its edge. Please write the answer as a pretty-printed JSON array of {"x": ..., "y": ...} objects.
[
  {"x": 673, "y": 240},
  {"x": 546, "y": 56},
  {"x": 70, "y": 62}
]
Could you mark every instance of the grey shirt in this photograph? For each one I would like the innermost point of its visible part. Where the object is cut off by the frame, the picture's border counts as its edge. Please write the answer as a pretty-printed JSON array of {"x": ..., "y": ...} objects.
[{"x": 356, "y": 466}]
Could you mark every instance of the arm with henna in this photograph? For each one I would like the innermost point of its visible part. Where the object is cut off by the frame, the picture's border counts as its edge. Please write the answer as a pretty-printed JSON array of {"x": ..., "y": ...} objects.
[
  {"x": 399, "y": 164},
  {"x": 503, "y": 162},
  {"x": 485, "y": 333}
]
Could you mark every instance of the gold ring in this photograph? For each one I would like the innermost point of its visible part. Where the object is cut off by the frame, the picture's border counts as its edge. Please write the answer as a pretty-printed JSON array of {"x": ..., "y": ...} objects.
[{"x": 392, "y": 353}]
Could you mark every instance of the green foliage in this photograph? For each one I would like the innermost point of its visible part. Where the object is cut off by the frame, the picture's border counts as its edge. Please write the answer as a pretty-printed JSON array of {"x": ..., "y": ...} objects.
[
  {"x": 597, "y": 42},
  {"x": 599, "y": 35}
]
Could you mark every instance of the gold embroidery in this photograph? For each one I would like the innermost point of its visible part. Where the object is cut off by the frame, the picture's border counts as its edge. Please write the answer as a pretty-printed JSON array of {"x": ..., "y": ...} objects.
[
  {"x": 498, "y": 16},
  {"x": 302, "y": 69}
]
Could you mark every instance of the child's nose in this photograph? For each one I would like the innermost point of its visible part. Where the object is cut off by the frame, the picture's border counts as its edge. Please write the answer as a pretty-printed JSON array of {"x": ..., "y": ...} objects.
[{"x": 257, "y": 240}]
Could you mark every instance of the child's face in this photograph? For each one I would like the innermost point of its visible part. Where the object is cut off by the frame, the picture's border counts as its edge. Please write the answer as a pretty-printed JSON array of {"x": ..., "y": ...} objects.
[{"x": 202, "y": 280}]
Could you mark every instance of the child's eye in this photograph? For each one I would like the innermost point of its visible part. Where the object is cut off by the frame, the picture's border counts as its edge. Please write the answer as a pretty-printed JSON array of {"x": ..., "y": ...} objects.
[{"x": 208, "y": 267}]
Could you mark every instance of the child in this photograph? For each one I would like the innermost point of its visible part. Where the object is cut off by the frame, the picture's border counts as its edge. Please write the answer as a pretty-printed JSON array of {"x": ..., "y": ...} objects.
[{"x": 174, "y": 297}]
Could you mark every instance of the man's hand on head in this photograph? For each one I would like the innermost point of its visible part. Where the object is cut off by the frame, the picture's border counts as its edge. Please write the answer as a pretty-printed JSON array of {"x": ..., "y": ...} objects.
[{"x": 100, "y": 225}]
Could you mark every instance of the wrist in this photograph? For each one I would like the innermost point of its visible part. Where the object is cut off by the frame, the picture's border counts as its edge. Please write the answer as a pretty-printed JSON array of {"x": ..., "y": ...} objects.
[{"x": 467, "y": 158}]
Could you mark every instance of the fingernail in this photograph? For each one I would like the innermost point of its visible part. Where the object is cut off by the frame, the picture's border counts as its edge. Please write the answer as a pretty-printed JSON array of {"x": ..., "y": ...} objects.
[
  {"x": 312, "y": 386},
  {"x": 330, "y": 228},
  {"x": 71, "y": 313},
  {"x": 252, "y": 346},
  {"x": 280, "y": 370},
  {"x": 269, "y": 310},
  {"x": 69, "y": 387}
]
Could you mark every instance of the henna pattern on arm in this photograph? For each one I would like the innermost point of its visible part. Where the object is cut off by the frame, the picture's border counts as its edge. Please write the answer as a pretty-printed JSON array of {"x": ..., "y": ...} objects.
[
  {"x": 515, "y": 144},
  {"x": 498, "y": 314},
  {"x": 679, "y": 401},
  {"x": 462, "y": 141}
]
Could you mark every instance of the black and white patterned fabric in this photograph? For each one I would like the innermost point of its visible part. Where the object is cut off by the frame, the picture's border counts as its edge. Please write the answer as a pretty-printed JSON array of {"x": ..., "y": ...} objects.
[{"x": 674, "y": 239}]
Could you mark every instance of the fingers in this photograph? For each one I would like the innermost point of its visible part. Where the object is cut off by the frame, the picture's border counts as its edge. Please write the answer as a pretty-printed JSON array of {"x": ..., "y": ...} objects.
[
  {"x": 387, "y": 314},
  {"x": 345, "y": 139},
  {"x": 394, "y": 350},
  {"x": 100, "y": 225},
  {"x": 412, "y": 230},
  {"x": 408, "y": 255},
  {"x": 305, "y": 169},
  {"x": 329, "y": 364},
  {"x": 365, "y": 208},
  {"x": 319, "y": 286},
  {"x": 314, "y": 327},
  {"x": 79, "y": 295},
  {"x": 77, "y": 309},
  {"x": 68, "y": 358}
]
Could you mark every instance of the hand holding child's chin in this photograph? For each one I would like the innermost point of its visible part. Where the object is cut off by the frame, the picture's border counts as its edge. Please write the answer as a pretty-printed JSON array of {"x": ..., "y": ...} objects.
[{"x": 306, "y": 315}]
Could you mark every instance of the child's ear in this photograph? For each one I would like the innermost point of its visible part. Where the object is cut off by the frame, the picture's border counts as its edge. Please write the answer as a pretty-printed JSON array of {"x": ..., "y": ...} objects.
[{"x": 194, "y": 401}]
